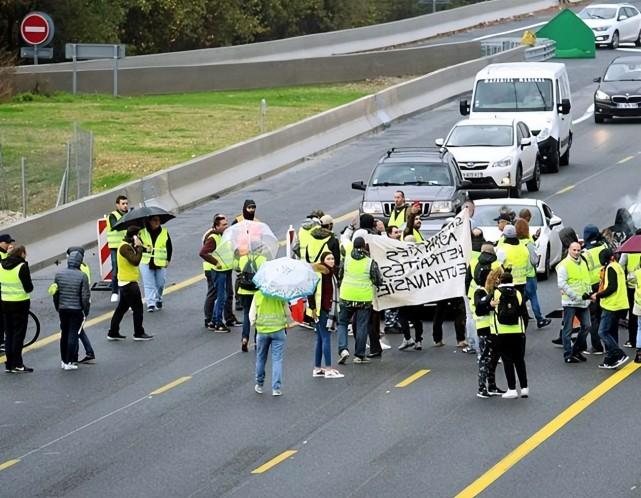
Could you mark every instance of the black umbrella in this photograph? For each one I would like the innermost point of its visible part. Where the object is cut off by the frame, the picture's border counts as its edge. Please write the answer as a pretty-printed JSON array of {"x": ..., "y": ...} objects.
[{"x": 138, "y": 216}]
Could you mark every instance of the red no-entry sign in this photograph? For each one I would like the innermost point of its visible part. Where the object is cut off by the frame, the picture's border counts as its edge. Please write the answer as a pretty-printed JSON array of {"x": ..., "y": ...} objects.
[{"x": 36, "y": 28}]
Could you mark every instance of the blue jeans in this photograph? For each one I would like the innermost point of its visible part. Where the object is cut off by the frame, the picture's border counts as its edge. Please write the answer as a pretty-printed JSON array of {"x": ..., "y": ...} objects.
[
  {"x": 324, "y": 341},
  {"x": 154, "y": 283},
  {"x": 246, "y": 300},
  {"x": 114, "y": 271},
  {"x": 583, "y": 314},
  {"x": 220, "y": 283},
  {"x": 530, "y": 293},
  {"x": 277, "y": 342},
  {"x": 610, "y": 321},
  {"x": 84, "y": 338},
  {"x": 639, "y": 333},
  {"x": 363, "y": 316}
]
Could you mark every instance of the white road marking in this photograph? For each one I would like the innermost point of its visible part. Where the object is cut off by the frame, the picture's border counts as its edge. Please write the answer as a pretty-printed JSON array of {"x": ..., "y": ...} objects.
[
  {"x": 588, "y": 114},
  {"x": 629, "y": 49},
  {"x": 522, "y": 28}
]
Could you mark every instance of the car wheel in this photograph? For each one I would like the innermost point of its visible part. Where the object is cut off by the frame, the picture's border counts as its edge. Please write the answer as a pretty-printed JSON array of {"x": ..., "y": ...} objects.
[
  {"x": 614, "y": 44},
  {"x": 637, "y": 42},
  {"x": 534, "y": 184},
  {"x": 553, "y": 161},
  {"x": 599, "y": 119},
  {"x": 546, "y": 271},
  {"x": 517, "y": 190}
]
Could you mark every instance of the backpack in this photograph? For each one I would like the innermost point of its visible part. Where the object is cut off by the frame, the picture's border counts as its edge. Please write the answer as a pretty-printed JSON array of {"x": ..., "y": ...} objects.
[
  {"x": 508, "y": 311},
  {"x": 481, "y": 272},
  {"x": 246, "y": 276}
]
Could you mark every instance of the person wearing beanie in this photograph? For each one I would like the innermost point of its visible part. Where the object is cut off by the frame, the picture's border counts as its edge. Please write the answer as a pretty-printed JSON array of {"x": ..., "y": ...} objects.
[
  {"x": 249, "y": 212},
  {"x": 323, "y": 239},
  {"x": 129, "y": 257},
  {"x": 516, "y": 258}
]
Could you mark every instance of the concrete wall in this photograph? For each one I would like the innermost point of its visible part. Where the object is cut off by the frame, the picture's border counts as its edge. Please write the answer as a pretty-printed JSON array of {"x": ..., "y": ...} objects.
[
  {"x": 48, "y": 234},
  {"x": 327, "y": 44},
  {"x": 234, "y": 76}
]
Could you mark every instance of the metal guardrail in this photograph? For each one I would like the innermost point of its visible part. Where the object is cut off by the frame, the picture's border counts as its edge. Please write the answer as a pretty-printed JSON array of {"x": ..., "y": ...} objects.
[{"x": 543, "y": 50}]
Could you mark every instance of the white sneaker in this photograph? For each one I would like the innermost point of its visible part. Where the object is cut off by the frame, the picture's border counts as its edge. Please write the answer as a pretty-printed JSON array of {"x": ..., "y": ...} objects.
[
  {"x": 406, "y": 344},
  {"x": 318, "y": 372},
  {"x": 277, "y": 392},
  {"x": 525, "y": 392},
  {"x": 62, "y": 364},
  {"x": 510, "y": 394},
  {"x": 151, "y": 309},
  {"x": 70, "y": 366},
  {"x": 333, "y": 374},
  {"x": 385, "y": 346},
  {"x": 343, "y": 356},
  {"x": 115, "y": 297},
  {"x": 258, "y": 388}
]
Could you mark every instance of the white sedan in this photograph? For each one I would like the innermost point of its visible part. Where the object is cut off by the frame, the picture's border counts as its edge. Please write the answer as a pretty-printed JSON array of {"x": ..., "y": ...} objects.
[
  {"x": 495, "y": 154},
  {"x": 544, "y": 222},
  {"x": 613, "y": 23}
]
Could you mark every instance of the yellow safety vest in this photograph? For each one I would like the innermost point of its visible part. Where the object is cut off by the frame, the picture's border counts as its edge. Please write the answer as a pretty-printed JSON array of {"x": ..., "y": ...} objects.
[
  {"x": 84, "y": 268},
  {"x": 224, "y": 255},
  {"x": 507, "y": 329},
  {"x": 418, "y": 236},
  {"x": 631, "y": 265},
  {"x": 314, "y": 249},
  {"x": 357, "y": 284},
  {"x": 398, "y": 220},
  {"x": 114, "y": 237},
  {"x": 482, "y": 321},
  {"x": 618, "y": 300},
  {"x": 271, "y": 315},
  {"x": 158, "y": 250},
  {"x": 578, "y": 276},
  {"x": 531, "y": 271},
  {"x": 304, "y": 237},
  {"x": 239, "y": 265},
  {"x": 3, "y": 255},
  {"x": 594, "y": 264},
  {"x": 11, "y": 288},
  {"x": 637, "y": 290},
  {"x": 517, "y": 258},
  {"x": 126, "y": 271},
  {"x": 240, "y": 218}
]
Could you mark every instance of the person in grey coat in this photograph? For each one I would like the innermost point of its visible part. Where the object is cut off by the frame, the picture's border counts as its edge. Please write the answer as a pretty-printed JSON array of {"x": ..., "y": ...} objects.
[{"x": 71, "y": 298}]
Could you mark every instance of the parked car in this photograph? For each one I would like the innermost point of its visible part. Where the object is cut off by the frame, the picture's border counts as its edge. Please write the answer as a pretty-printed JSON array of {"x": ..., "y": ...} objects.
[
  {"x": 544, "y": 223},
  {"x": 537, "y": 93},
  {"x": 619, "y": 91},
  {"x": 428, "y": 175},
  {"x": 613, "y": 23},
  {"x": 495, "y": 154}
]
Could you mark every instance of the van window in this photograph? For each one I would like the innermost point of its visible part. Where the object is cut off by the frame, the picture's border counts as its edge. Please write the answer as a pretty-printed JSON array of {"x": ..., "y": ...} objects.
[{"x": 513, "y": 95}]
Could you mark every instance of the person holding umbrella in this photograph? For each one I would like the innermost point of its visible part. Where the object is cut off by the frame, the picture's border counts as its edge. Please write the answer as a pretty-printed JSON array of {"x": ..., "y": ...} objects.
[{"x": 155, "y": 260}]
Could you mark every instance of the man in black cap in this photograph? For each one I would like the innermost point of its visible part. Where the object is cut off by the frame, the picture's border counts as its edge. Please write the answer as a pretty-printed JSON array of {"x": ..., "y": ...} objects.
[
  {"x": 502, "y": 220},
  {"x": 6, "y": 244}
]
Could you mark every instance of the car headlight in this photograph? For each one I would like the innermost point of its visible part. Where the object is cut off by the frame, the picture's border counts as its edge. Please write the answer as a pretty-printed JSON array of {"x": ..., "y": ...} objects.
[
  {"x": 601, "y": 95},
  {"x": 442, "y": 207},
  {"x": 602, "y": 28},
  {"x": 372, "y": 207},
  {"x": 506, "y": 162},
  {"x": 544, "y": 134}
]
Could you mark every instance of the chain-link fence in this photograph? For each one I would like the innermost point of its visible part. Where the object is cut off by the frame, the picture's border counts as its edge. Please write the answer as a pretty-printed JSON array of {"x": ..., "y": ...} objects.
[{"x": 36, "y": 178}]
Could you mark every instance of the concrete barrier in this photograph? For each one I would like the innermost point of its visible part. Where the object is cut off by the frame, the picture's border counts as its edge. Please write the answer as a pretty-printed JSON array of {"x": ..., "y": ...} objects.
[
  {"x": 47, "y": 235},
  {"x": 327, "y": 44},
  {"x": 295, "y": 72}
]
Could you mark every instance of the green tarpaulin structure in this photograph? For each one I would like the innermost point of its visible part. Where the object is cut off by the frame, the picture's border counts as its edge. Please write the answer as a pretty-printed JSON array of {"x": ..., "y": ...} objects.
[{"x": 574, "y": 39}]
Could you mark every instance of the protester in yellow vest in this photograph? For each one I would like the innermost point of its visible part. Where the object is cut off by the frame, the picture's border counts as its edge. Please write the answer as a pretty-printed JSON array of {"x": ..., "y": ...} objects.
[
  {"x": 398, "y": 216},
  {"x": 248, "y": 214},
  {"x": 594, "y": 243},
  {"x": 516, "y": 258},
  {"x": 413, "y": 224},
  {"x": 509, "y": 321},
  {"x": 114, "y": 238},
  {"x": 15, "y": 286},
  {"x": 637, "y": 311},
  {"x": 154, "y": 262},
  {"x": 129, "y": 256},
  {"x": 6, "y": 244},
  {"x": 246, "y": 267},
  {"x": 613, "y": 300},
  {"x": 631, "y": 263},
  {"x": 270, "y": 316}
]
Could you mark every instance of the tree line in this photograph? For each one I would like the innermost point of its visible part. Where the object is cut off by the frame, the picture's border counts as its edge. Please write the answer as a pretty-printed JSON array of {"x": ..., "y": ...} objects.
[{"x": 155, "y": 26}]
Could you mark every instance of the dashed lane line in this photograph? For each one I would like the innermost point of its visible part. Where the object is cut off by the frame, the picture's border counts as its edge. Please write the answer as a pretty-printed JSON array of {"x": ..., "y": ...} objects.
[
  {"x": 412, "y": 378},
  {"x": 274, "y": 461},
  {"x": 171, "y": 385},
  {"x": 625, "y": 160},
  {"x": 8, "y": 463},
  {"x": 564, "y": 190}
]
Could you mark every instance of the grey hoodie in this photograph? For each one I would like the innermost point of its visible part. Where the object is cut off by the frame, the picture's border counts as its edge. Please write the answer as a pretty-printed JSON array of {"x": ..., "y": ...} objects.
[{"x": 73, "y": 286}]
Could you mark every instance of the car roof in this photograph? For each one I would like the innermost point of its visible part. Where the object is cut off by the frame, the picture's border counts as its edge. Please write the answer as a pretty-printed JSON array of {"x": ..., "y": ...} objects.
[
  {"x": 627, "y": 59},
  {"x": 484, "y": 121},
  {"x": 521, "y": 201},
  {"x": 616, "y": 5},
  {"x": 521, "y": 70},
  {"x": 427, "y": 154}
]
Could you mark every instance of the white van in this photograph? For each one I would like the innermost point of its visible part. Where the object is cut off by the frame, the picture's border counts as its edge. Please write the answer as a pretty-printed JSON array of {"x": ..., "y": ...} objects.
[{"x": 537, "y": 93}]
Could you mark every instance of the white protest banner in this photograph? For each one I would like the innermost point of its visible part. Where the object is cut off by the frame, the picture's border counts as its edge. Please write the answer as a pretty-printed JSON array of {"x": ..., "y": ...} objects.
[{"x": 418, "y": 273}]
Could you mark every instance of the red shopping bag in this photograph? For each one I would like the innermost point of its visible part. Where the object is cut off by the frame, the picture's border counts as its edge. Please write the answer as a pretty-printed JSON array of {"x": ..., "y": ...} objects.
[{"x": 298, "y": 310}]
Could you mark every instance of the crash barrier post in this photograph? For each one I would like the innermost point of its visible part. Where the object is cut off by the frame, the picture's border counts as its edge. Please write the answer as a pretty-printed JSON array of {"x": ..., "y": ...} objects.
[{"x": 104, "y": 257}]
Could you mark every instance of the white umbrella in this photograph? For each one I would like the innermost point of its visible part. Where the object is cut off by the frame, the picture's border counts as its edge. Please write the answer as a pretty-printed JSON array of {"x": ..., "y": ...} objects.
[
  {"x": 251, "y": 237},
  {"x": 286, "y": 278}
]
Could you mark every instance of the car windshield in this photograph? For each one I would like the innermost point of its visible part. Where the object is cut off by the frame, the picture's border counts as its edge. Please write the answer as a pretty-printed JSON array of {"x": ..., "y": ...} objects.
[
  {"x": 397, "y": 174},
  {"x": 513, "y": 95},
  {"x": 623, "y": 72},
  {"x": 598, "y": 13},
  {"x": 484, "y": 216},
  {"x": 481, "y": 136}
]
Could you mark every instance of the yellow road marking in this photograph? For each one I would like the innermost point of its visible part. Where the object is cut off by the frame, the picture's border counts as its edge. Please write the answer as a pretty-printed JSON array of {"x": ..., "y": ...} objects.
[
  {"x": 566, "y": 189},
  {"x": 546, "y": 432},
  {"x": 8, "y": 463},
  {"x": 274, "y": 461},
  {"x": 174, "y": 288},
  {"x": 412, "y": 378},
  {"x": 171, "y": 385},
  {"x": 625, "y": 159}
]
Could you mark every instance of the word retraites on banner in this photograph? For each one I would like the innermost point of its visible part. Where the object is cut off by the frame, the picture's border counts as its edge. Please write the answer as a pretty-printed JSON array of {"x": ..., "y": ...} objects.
[{"x": 418, "y": 273}]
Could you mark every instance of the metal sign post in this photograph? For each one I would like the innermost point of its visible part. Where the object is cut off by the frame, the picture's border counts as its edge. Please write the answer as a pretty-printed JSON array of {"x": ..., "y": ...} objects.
[{"x": 88, "y": 51}]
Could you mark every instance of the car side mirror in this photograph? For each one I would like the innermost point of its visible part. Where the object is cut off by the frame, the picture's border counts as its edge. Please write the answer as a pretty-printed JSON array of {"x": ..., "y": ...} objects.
[
  {"x": 466, "y": 183},
  {"x": 555, "y": 221},
  {"x": 597, "y": 80},
  {"x": 464, "y": 107},
  {"x": 565, "y": 106},
  {"x": 525, "y": 141},
  {"x": 623, "y": 17},
  {"x": 439, "y": 142},
  {"x": 358, "y": 185}
]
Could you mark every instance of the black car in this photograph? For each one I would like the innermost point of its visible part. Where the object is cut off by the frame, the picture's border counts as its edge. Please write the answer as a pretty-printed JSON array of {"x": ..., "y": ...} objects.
[
  {"x": 619, "y": 91},
  {"x": 428, "y": 175}
]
